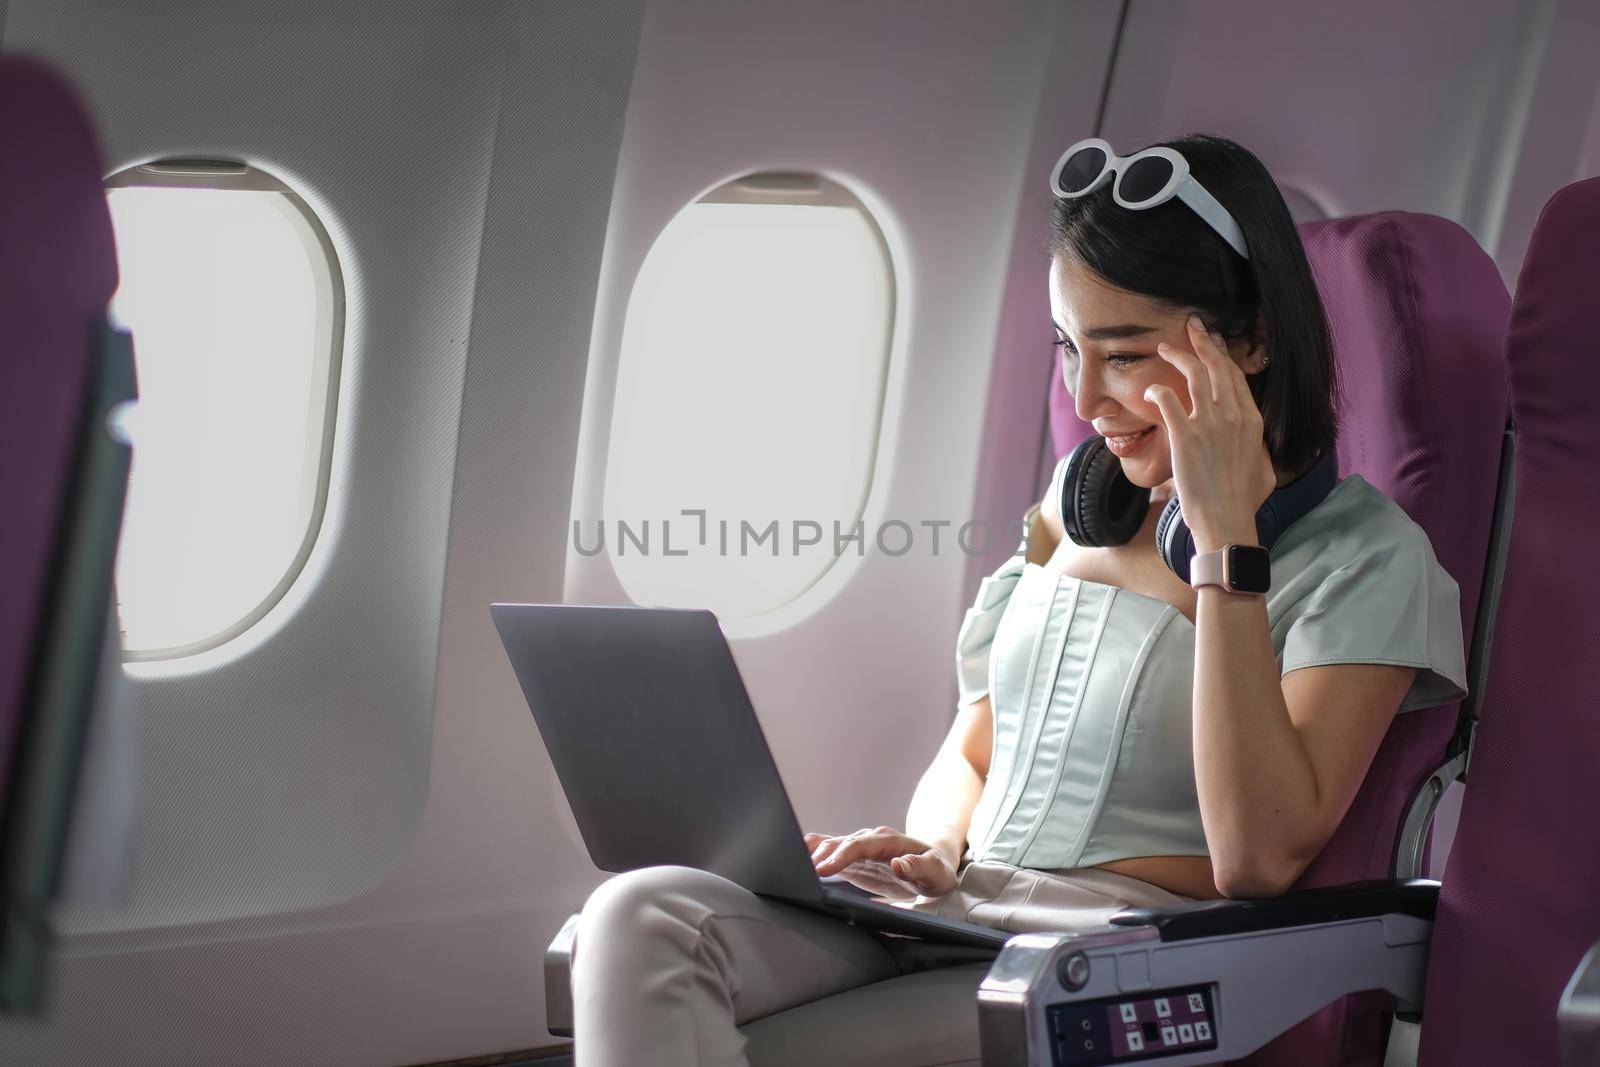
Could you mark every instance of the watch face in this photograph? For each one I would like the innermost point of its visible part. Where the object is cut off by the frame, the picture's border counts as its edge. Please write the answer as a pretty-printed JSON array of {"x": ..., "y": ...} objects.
[{"x": 1249, "y": 568}]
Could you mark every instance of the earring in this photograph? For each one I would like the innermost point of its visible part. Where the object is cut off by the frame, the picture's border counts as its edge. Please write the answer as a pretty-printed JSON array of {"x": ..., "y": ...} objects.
[{"x": 1264, "y": 361}]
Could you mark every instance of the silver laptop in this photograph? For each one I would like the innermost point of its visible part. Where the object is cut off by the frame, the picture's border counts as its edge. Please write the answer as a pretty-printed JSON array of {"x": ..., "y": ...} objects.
[{"x": 657, "y": 746}]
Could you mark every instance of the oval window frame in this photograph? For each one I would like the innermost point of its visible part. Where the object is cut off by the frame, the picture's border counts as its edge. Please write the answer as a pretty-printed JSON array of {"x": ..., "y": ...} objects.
[
  {"x": 328, "y": 357},
  {"x": 799, "y": 188}
]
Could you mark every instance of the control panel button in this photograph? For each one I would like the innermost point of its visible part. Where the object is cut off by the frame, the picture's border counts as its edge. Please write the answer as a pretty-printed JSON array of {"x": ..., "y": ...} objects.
[
  {"x": 1185, "y": 1033},
  {"x": 1074, "y": 971},
  {"x": 1163, "y": 1008},
  {"x": 1202, "y": 1030},
  {"x": 1169, "y": 1035},
  {"x": 1197, "y": 1003},
  {"x": 1129, "y": 1015},
  {"x": 1135, "y": 1041}
]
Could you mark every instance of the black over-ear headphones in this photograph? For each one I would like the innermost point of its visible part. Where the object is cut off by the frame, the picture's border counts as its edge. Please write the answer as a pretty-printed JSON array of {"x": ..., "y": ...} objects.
[{"x": 1101, "y": 507}]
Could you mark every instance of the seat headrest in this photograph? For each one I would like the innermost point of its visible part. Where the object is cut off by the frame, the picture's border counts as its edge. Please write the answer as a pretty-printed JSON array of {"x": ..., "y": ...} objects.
[
  {"x": 1553, "y": 348},
  {"x": 1418, "y": 312},
  {"x": 56, "y": 244}
]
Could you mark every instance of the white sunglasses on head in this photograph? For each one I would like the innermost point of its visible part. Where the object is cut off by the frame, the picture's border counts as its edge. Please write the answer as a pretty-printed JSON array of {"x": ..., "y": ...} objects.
[{"x": 1142, "y": 180}]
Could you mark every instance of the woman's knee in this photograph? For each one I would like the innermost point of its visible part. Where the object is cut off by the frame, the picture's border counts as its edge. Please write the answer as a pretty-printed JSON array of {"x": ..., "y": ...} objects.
[{"x": 651, "y": 902}]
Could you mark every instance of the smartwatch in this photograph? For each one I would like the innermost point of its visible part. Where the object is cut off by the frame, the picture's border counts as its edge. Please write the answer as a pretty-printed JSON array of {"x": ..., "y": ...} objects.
[{"x": 1243, "y": 569}]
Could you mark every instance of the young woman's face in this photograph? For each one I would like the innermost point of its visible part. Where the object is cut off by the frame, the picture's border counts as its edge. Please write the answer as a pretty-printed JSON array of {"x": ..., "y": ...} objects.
[{"x": 1109, "y": 359}]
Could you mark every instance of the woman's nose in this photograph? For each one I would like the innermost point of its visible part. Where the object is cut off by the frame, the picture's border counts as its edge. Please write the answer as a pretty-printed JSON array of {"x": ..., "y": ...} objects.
[{"x": 1089, "y": 396}]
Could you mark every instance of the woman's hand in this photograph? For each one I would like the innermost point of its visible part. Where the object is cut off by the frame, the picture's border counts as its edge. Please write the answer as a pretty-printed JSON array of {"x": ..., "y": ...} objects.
[
  {"x": 884, "y": 862},
  {"x": 1220, "y": 464}
]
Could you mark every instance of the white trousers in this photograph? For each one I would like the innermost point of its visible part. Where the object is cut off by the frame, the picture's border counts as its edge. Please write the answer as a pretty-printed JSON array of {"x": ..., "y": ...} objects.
[{"x": 676, "y": 966}]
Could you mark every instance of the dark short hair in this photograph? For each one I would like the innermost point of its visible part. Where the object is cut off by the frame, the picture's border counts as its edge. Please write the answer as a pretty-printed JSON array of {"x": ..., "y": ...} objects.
[{"x": 1169, "y": 254}]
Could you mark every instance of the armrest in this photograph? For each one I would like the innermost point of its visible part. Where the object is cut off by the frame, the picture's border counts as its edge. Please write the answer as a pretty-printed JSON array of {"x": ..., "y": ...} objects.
[
  {"x": 558, "y": 979},
  {"x": 1206, "y": 982},
  {"x": 1418, "y": 898},
  {"x": 1578, "y": 1013}
]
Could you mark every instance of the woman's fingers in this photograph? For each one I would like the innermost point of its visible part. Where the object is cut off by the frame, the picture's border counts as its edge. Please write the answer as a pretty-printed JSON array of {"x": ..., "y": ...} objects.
[
  {"x": 1171, "y": 408},
  {"x": 837, "y": 852},
  {"x": 910, "y": 869},
  {"x": 882, "y": 860},
  {"x": 879, "y": 843},
  {"x": 1201, "y": 391},
  {"x": 827, "y": 850},
  {"x": 814, "y": 842},
  {"x": 849, "y": 851},
  {"x": 939, "y": 877},
  {"x": 1227, "y": 377},
  {"x": 879, "y": 879},
  {"x": 928, "y": 871}
]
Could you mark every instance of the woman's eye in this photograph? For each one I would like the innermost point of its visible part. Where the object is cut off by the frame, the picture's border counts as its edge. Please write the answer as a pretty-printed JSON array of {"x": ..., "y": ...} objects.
[{"x": 1116, "y": 359}]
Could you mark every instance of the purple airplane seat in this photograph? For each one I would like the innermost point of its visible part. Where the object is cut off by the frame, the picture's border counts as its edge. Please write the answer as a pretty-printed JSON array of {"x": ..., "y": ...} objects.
[
  {"x": 57, "y": 269},
  {"x": 1418, "y": 313},
  {"x": 1520, "y": 903},
  {"x": 63, "y": 480}
]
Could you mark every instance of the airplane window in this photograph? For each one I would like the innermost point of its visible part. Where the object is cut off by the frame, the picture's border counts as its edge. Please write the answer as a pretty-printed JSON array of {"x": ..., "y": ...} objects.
[
  {"x": 234, "y": 298},
  {"x": 754, "y": 357}
]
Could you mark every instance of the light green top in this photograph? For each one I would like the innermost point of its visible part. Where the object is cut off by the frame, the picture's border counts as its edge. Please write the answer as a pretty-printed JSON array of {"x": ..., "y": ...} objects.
[{"x": 1093, "y": 684}]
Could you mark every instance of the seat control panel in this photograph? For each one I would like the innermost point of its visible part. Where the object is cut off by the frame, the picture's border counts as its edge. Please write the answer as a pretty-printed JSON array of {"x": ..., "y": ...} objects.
[{"x": 1124, "y": 1029}]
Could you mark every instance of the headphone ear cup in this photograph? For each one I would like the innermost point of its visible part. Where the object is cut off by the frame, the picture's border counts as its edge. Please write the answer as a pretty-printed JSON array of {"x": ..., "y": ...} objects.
[
  {"x": 1173, "y": 540},
  {"x": 1099, "y": 505},
  {"x": 1071, "y": 514}
]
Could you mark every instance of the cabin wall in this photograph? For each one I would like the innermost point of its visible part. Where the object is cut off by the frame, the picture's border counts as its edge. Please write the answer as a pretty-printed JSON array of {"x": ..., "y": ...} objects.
[{"x": 1476, "y": 111}]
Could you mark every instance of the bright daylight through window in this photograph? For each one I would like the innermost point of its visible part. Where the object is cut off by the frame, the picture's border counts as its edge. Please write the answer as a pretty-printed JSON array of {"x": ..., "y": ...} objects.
[
  {"x": 755, "y": 352},
  {"x": 230, "y": 289}
]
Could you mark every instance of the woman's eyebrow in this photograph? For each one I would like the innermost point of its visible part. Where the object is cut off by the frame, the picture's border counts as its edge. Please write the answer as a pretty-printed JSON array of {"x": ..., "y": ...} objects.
[{"x": 1110, "y": 333}]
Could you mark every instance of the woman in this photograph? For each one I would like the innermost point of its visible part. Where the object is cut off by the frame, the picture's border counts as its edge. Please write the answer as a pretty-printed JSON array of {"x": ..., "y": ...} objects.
[{"x": 1146, "y": 741}]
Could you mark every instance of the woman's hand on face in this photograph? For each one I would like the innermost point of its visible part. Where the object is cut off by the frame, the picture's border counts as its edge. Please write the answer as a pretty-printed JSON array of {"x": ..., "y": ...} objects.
[
  {"x": 883, "y": 861},
  {"x": 1221, "y": 467}
]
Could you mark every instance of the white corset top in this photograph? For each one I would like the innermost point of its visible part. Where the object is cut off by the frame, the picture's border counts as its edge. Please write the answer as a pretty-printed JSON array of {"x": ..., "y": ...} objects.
[{"x": 1092, "y": 689}]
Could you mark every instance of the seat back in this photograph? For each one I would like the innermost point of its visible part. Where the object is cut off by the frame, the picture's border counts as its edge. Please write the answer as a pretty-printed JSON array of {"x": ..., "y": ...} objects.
[
  {"x": 57, "y": 269},
  {"x": 1418, "y": 314},
  {"x": 62, "y": 482},
  {"x": 1519, "y": 904}
]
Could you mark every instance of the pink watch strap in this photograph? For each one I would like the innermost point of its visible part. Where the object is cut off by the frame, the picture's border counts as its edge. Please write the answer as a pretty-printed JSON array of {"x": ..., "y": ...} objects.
[{"x": 1206, "y": 569}]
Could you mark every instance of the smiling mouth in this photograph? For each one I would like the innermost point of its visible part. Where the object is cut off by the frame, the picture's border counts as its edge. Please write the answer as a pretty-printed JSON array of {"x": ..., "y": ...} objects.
[{"x": 1123, "y": 440}]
